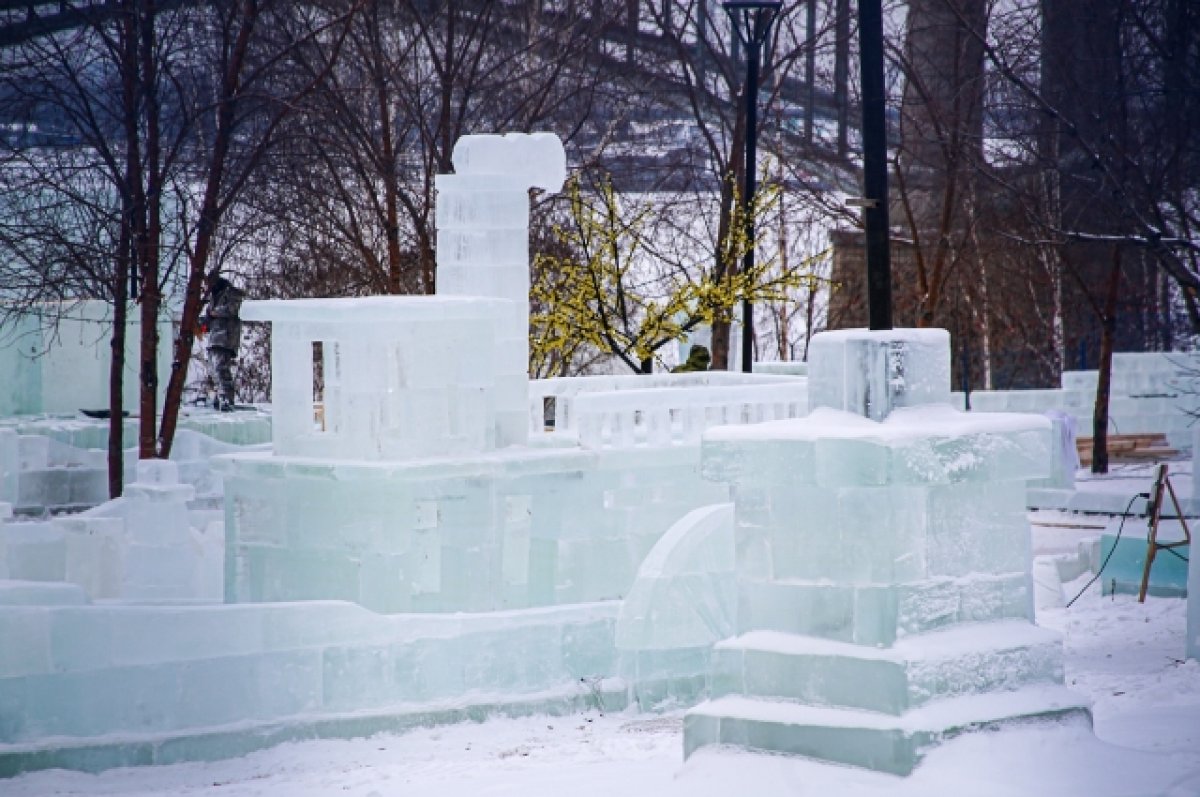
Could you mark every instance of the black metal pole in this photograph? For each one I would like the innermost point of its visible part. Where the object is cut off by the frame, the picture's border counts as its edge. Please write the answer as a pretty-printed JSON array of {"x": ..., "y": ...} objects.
[
  {"x": 875, "y": 182},
  {"x": 750, "y": 179}
]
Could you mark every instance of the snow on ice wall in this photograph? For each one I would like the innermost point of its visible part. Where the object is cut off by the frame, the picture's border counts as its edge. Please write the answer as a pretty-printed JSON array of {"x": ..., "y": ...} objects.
[{"x": 883, "y": 566}]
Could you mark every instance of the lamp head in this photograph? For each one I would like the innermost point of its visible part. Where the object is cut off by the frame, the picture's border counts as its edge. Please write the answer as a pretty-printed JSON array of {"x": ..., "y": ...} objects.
[{"x": 752, "y": 19}]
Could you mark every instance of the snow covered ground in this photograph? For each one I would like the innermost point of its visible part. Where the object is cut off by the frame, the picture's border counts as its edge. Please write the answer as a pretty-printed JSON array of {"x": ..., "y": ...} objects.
[{"x": 1127, "y": 657}]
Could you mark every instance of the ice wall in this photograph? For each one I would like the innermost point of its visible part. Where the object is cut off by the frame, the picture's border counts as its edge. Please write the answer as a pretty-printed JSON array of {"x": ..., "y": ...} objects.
[
  {"x": 870, "y": 373},
  {"x": 512, "y": 529},
  {"x": 98, "y": 686},
  {"x": 683, "y": 601},
  {"x": 41, "y": 475},
  {"x": 1192, "y": 644},
  {"x": 483, "y": 246},
  {"x": 1150, "y": 392},
  {"x": 883, "y": 565},
  {"x": 145, "y": 546},
  {"x": 403, "y": 376},
  {"x": 54, "y": 358},
  {"x": 1193, "y": 610}
]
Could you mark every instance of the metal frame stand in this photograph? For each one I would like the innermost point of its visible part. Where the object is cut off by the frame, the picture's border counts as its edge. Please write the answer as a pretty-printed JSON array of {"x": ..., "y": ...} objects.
[{"x": 1162, "y": 482}]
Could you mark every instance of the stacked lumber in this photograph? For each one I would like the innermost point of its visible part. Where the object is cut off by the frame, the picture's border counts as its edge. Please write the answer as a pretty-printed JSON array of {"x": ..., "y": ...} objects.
[{"x": 1129, "y": 448}]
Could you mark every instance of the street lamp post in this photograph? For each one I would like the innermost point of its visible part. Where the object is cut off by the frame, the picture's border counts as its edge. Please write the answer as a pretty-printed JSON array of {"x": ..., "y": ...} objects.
[
  {"x": 875, "y": 182},
  {"x": 751, "y": 20}
]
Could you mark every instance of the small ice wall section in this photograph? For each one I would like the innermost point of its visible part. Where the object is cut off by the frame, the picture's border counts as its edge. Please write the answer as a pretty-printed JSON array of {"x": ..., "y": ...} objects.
[
  {"x": 55, "y": 357},
  {"x": 483, "y": 247},
  {"x": 872, "y": 373},
  {"x": 883, "y": 565},
  {"x": 384, "y": 377}
]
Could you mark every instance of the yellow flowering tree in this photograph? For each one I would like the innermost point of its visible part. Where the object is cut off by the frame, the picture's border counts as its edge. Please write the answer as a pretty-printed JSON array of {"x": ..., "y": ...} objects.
[{"x": 607, "y": 284}]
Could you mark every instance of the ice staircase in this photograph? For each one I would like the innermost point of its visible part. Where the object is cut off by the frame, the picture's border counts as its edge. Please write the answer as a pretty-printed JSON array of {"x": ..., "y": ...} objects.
[
  {"x": 877, "y": 707},
  {"x": 883, "y": 567}
]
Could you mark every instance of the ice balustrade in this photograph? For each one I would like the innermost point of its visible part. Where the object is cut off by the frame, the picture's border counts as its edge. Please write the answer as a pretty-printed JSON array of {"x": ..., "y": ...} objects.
[{"x": 661, "y": 410}]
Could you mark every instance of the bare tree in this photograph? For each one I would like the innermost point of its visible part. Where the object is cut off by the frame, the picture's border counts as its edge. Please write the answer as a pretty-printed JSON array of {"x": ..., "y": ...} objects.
[
  {"x": 355, "y": 209},
  {"x": 252, "y": 46}
]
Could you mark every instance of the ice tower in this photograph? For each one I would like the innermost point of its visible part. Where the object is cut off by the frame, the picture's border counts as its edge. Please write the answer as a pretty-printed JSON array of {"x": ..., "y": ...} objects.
[
  {"x": 883, "y": 565},
  {"x": 483, "y": 247}
]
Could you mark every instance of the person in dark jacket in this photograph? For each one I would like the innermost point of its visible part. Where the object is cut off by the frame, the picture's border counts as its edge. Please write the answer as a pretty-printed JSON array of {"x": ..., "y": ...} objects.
[
  {"x": 697, "y": 360},
  {"x": 224, "y": 330}
]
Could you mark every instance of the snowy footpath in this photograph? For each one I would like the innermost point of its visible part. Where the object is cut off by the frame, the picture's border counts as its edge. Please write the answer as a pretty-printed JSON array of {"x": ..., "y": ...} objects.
[{"x": 1127, "y": 657}]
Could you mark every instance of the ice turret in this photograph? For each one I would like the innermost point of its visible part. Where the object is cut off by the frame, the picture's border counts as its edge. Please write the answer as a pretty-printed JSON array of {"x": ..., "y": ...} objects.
[{"x": 483, "y": 246}]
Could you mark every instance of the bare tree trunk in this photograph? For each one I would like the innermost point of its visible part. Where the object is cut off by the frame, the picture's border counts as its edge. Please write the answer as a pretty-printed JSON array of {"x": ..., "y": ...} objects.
[
  {"x": 391, "y": 222},
  {"x": 1108, "y": 329},
  {"x": 809, "y": 306},
  {"x": 148, "y": 246},
  {"x": 132, "y": 210},
  {"x": 116, "y": 374},
  {"x": 210, "y": 213},
  {"x": 841, "y": 75},
  {"x": 727, "y": 253}
]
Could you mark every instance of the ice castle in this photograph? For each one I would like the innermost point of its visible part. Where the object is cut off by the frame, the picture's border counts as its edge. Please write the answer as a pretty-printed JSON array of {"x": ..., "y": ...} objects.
[{"x": 838, "y": 566}]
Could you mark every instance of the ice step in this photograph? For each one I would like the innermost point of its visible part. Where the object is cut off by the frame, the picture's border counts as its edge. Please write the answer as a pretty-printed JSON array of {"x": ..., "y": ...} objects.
[
  {"x": 978, "y": 657},
  {"x": 865, "y": 738},
  {"x": 870, "y": 614}
]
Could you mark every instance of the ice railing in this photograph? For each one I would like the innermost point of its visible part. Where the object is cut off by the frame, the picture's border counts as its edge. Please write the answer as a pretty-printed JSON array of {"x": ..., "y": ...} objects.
[{"x": 662, "y": 409}]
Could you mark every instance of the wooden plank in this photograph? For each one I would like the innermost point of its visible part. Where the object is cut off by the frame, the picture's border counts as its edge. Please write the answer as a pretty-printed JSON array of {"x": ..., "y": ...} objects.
[
  {"x": 1151, "y": 453},
  {"x": 1149, "y": 438}
]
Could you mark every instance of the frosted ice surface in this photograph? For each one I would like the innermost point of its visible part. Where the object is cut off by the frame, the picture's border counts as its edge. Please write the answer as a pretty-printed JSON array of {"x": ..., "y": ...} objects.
[
  {"x": 54, "y": 358},
  {"x": 871, "y": 372},
  {"x": 684, "y": 593},
  {"x": 402, "y": 377},
  {"x": 537, "y": 158},
  {"x": 883, "y": 561},
  {"x": 157, "y": 471},
  {"x": 40, "y": 593}
]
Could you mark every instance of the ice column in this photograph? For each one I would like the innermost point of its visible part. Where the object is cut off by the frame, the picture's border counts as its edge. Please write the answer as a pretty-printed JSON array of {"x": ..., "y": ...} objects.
[
  {"x": 883, "y": 565},
  {"x": 483, "y": 247}
]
